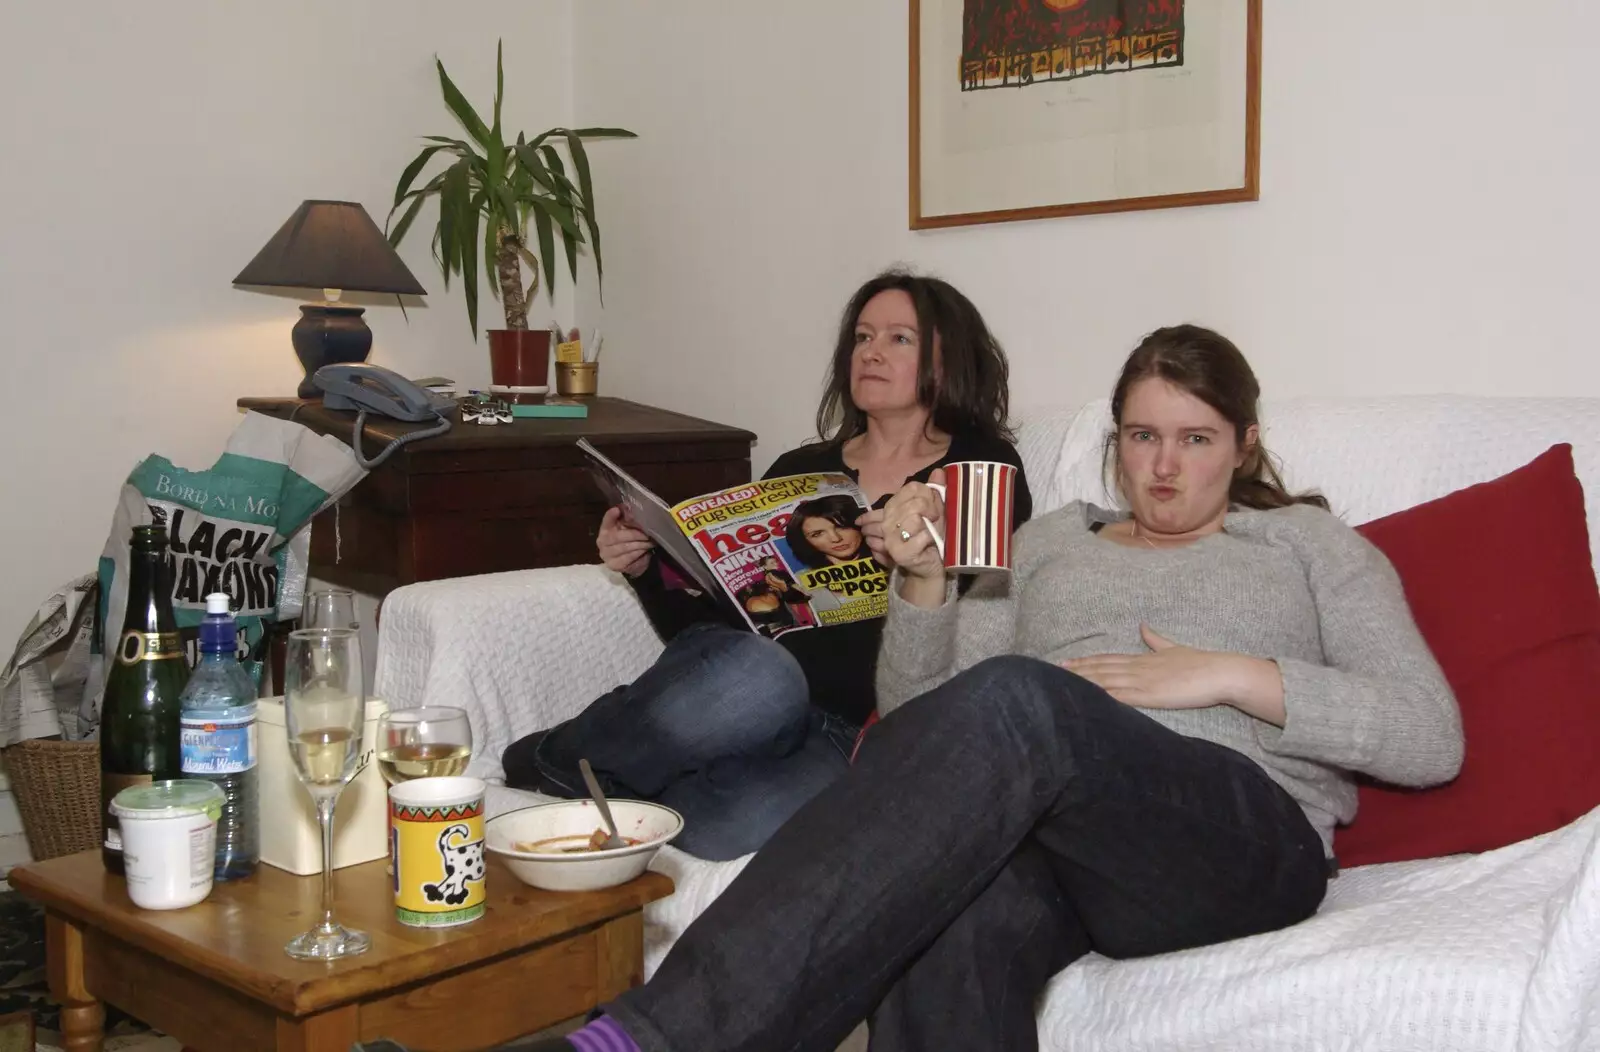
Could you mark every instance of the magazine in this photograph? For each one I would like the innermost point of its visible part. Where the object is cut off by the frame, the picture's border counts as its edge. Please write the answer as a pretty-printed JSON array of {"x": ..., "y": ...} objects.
[{"x": 783, "y": 552}]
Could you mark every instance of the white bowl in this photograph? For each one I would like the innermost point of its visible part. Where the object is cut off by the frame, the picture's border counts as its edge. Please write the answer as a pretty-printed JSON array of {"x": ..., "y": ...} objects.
[{"x": 651, "y": 824}]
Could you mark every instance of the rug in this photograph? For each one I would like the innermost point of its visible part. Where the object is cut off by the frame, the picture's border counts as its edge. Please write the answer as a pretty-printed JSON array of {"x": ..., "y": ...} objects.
[{"x": 24, "y": 987}]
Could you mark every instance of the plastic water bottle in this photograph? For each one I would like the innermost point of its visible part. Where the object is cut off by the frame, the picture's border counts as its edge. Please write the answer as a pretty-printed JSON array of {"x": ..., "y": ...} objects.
[{"x": 219, "y": 738}]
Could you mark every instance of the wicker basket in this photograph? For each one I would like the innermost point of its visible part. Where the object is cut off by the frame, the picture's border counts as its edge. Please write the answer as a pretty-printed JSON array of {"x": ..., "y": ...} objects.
[{"x": 57, "y": 786}]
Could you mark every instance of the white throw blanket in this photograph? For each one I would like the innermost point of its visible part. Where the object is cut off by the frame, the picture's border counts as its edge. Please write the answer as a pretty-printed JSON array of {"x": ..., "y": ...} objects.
[{"x": 1471, "y": 953}]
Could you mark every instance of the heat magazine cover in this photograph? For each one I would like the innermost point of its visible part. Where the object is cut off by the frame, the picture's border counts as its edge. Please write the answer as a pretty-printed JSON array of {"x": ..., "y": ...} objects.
[{"x": 785, "y": 551}]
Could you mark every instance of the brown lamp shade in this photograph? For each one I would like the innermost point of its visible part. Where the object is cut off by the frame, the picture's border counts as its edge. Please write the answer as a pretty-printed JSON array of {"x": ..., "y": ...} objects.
[{"x": 330, "y": 245}]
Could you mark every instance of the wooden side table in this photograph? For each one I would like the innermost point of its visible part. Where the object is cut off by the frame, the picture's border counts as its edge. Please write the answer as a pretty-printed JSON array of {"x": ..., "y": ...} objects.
[
  {"x": 508, "y": 497},
  {"x": 215, "y": 976}
]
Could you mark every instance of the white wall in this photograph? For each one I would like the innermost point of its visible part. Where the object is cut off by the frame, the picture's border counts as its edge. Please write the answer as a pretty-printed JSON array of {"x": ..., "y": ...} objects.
[
  {"x": 1427, "y": 221},
  {"x": 149, "y": 152}
]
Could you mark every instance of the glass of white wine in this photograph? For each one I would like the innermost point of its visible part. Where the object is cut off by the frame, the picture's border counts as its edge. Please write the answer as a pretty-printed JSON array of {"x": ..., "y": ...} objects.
[
  {"x": 434, "y": 741},
  {"x": 324, "y": 699}
]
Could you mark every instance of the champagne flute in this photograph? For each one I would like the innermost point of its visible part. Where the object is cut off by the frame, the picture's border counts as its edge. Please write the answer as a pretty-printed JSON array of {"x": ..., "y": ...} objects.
[
  {"x": 329, "y": 608},
  {"x": 434, "y": 741},
  {"x": 324, "y": 699}
]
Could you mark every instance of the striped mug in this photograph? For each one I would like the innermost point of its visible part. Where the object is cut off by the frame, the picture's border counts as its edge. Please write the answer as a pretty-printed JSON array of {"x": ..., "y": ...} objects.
[{"x": 977, "y": 516}]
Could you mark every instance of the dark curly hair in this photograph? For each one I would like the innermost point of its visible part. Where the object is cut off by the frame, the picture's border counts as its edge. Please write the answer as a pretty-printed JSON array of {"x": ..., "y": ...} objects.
[
  {"x": 968, "y": 396},
  {"x": 838, "y": 509}
]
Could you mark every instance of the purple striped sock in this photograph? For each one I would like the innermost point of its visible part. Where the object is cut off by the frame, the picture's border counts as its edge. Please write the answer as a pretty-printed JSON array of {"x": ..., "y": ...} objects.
[{"x": 602, "y": 1035}]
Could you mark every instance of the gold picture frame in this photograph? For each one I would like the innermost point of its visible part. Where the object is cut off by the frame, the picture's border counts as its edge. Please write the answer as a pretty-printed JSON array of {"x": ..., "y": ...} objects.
[{"x": 1188, "y": 133}]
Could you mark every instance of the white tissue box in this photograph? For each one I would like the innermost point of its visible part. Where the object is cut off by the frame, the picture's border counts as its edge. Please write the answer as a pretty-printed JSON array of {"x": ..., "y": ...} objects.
[{"x": 291, "y": 839}]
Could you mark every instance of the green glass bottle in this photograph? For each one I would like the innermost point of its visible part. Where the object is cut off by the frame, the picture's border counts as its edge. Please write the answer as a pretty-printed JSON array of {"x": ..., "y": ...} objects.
[{"x": 140, "y": 716}]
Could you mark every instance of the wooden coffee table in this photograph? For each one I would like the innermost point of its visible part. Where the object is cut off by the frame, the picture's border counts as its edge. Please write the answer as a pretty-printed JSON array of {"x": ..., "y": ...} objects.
[{"x": 214, "y": 976}]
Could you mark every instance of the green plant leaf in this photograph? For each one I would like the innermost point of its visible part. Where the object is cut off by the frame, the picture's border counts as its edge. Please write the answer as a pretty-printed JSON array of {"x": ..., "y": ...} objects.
[
  {"x": 412, "y": 171},
  {"x": 571, "y": 245},
  {"x": 503, "y": 210},
  {"x": 587, "y": 133},
  {"x": 566, "y": 202},
  {"x": 401, "y": 227},
  {"x": 571, "y": 236},
  {"x": 547, "y": 249},
  {"x": 554, "y": 209},
  {"x": 499, "y": 85},
  {"x": 467, "y": 231},
  {"x": 462, "y": 108},
  {"x": 495, "y": 153},
  {"x": 454, "y": 196},
  {"x": 432, "y": 187},
  {"x": 580, "y": 161},
  {"x": 491, "y": 257},
  {"x": 529, "y": 162}
]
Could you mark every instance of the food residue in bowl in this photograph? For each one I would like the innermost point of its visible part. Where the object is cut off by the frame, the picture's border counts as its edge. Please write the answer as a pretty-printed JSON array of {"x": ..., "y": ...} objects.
[{"x": 571, "y": 844}]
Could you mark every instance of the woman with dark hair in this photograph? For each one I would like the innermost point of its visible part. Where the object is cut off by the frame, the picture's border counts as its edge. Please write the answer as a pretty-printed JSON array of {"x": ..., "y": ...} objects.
[
  {"x": 732, "y": 729},
  {"x": 823, "y": 532},
  {"x": 1139, "y": 743}
]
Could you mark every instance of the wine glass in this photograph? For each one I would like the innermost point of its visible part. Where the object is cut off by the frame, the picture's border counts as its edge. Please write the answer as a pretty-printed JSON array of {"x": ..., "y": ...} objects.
[
  {"x": 324, "y": 700},
  {"x": 434, "y": 741},
  {"x": 329, "y": 608}
]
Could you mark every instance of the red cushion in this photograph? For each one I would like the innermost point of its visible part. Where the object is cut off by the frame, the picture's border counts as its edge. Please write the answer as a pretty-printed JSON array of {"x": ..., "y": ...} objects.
[{"x": 1499, "y": 579}]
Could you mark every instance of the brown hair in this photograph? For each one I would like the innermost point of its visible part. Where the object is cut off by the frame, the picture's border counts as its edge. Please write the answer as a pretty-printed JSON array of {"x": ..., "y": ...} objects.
[
  {"x": 1208, "y": 366},
  {"x": 967, "y": 396}
]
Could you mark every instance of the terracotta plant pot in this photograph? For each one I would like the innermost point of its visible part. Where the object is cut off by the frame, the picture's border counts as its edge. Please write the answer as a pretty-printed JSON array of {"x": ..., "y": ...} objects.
[{"x": 519, "y": 357}]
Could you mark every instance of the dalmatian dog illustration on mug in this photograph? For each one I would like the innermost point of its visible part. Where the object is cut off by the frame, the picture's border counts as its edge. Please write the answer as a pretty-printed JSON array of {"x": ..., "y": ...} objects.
[{"x": 463, "y": 863}]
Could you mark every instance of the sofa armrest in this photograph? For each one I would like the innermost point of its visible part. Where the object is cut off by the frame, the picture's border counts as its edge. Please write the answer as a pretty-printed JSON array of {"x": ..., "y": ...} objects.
[{"x": 519, "y": 651}]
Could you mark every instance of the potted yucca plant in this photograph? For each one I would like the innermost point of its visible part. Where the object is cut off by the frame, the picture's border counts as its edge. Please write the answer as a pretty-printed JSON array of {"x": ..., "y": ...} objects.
[{"x": 490, "y": 194}]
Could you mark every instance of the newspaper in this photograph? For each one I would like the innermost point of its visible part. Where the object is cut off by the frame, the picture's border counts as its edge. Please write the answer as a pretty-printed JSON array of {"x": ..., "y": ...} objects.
[
  {"x": 784, "y": 553},
  {"x": 43, "y": 685}
]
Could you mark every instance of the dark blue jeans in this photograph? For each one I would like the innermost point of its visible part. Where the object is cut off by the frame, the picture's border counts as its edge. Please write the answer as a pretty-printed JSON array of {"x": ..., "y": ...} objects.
[
  {"x": 990, "y": 832},
  {"x": 720, "y": 729}
]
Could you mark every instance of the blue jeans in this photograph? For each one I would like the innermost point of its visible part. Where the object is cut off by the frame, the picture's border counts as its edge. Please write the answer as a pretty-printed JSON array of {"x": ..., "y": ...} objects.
[
  {"x": 989, "y": 833},
  {"x": 720, "y": 729}
]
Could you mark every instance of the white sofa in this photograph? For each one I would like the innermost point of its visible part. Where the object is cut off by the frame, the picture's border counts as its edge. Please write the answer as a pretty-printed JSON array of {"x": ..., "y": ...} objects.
[{"x": 1495, "y": 952}]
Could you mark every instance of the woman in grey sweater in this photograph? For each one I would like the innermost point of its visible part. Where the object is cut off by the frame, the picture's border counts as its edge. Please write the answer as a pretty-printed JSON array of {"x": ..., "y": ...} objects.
[{"x": 1139, "y": 742}]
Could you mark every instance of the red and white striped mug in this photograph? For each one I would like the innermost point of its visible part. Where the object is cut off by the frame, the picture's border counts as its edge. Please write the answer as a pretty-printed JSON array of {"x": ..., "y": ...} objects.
[{"x": 977, "y": 516}]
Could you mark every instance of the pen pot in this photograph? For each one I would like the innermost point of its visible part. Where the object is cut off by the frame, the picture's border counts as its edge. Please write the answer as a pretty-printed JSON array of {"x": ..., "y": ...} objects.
[{"x": 577, "y": 378}]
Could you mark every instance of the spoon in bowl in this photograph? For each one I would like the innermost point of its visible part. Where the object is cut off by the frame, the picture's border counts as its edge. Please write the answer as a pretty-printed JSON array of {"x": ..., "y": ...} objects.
[{"x": 605, "y": 809}]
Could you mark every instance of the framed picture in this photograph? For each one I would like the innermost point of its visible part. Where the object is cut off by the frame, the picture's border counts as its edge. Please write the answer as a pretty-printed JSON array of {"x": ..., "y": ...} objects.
[{"x": 1027, "y": 109}]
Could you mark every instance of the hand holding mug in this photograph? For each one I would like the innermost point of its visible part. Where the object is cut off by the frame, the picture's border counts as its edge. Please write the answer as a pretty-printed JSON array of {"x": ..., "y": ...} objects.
[
  {"x": 871, "y": 525},
  {"x": 622, "y": 547},
  {"x": 970, "y": 526},
  {"x": 908, "y": 534}
]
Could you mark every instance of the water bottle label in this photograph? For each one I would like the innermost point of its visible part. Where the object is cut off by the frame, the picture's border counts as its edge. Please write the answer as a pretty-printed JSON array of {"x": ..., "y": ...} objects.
[{"x": 211, "y": 746}]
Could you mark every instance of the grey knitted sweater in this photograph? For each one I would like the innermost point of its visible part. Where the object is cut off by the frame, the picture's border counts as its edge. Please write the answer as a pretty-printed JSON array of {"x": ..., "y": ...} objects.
[{"x": 1362, "y": 692}]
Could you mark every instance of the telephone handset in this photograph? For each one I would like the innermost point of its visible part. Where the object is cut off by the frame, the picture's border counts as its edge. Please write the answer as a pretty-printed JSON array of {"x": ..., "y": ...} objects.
[{"x": 374, "y": 389}]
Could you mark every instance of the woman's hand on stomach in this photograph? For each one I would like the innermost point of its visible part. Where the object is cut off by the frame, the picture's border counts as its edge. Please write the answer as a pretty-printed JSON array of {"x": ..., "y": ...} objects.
[{"x": 1171, "y": 676}]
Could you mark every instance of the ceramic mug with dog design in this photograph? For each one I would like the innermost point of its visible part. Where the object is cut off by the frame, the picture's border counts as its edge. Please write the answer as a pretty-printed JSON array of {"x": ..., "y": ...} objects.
[{"x": 436, "y": 842}]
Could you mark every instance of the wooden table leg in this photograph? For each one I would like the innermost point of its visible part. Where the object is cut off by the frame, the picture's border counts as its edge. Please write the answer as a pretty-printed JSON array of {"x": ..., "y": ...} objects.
[
  {"x": 83, "y": 1019},
  {"x": 333, "y": 1031}
]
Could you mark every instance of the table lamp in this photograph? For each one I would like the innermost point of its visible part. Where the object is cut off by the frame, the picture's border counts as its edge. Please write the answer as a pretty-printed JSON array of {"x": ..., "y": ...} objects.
[{"x": 332, "y": 246}]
